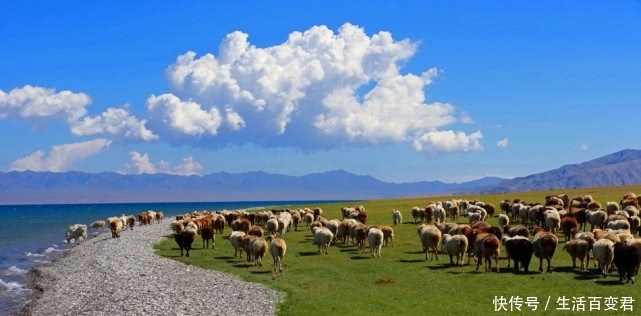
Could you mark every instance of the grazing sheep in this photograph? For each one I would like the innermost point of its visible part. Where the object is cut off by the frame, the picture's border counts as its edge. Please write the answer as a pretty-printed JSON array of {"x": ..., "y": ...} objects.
[
  {"x": 185, "y": 239},
  {"x": 131, "y": 222},
  {"x": 323, "y": 238},
  {"x": 603, "y": 251},
  {"x": 569, "y": 226},
  {"x": 397, "y": 217},
  {"x": 76, "y": 232},
  {"x": 627, "y": 259},
  {"x": 97, "y": 224},
  {"x": 430, "y": 237},
  {"x": 235, "y": 239},
  {"x": 486, "y": 246},
  {"x": 544, "y": 246},
  {"x": 518, "y": 230},
  {"x": 503, "y": 220},
  {"x": 258, "y": 248},
  {"x": 455, "y": 245},
  {"x": 277, "y": 248},
  {"x": 418, "y": 213},
  {"x": 578, "y": 248},
  {"x": 208, "y": 235},
  {"x": 375, "y": 241},
  {"x": 256, "y": 231},
  {"x": 115, "y": 225},
  {"x": 271, "y": 227},
  {"x": 519, "y": 249}
]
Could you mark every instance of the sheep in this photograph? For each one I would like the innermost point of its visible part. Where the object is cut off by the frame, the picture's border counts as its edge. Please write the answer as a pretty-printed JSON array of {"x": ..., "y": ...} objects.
[
  {"x": 332, "y": 225},
  {"x": 544, "y": 244},
  {"x": 519, "y": 249},
  {"x": 115, "y": 225},
  {"x": 278, "y": 249},
  {"x": 430, "y": 237},
  {"x": 358, "y": 235},
  {"x": 618, "y": 224},
  {"x": 486, "y": 246},
  {"x": 159, "y": 217},
  {"x": 76, "y": 232},
  {"x": 323, "y": 238},
  {"x": 131, "y": 222},
  {"x": 596, "y": 218},
  {"x": 518, "y": 230},
  {"x": 627, "y": 259},
  {"x": 97, "y": 224},
  {"x": 589, "y": 237},
  {"x": 569, "y": 226},
  {"x": 455, "y": 245},
  {"x": 185, "y": 239},
  {"x": 375, "y": 241},
  {"x": 258, "y": 248},
  {"x": 308, "y": 219},
  {"x": 418, "y": 213},
  {"x": 208, "y": 234},
  {"x": 552, "y": 220},
  {"x": 388, "y": 235},
  {"x": 344, "y": 230},
  {"x": 235, "y": 239},
  {"x": 256, "y": 231},
  {"x": 503, "y": 220},
  {"x": 635, "y": 224},
  {"x": 397, "y": 217},
  {"x": 271, "y": 226},
  {"x": 603, "y": 251},
  {"x": 578, "y": 248}
]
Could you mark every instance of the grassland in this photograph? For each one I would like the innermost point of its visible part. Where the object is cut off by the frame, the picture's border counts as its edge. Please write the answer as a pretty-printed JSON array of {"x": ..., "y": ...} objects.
[{"x": 348, "y": 282}]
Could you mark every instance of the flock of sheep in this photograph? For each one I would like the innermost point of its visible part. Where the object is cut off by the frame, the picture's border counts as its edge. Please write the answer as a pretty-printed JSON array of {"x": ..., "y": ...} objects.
[
  {"x": 524, "y": 230},
  {"x": 116, "y": 225}
]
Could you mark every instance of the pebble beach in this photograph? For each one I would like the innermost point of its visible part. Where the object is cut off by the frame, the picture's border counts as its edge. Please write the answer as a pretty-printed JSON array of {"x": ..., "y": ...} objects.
[{"x": 123, "y": 276}]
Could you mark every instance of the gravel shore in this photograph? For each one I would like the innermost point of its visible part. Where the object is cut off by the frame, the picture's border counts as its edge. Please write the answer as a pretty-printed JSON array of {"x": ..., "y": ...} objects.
[{"x": 123, "y": 276}]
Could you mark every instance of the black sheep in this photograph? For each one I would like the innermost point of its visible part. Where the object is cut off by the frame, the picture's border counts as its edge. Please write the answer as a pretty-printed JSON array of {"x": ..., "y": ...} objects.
[
  {"x": 627, "y": 259},
  {"x": 520, "y": 250},
  {"x": 184, "y": 240}
]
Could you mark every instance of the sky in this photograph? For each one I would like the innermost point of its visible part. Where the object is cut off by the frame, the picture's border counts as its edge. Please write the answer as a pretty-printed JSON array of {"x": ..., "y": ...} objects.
[{"x": 402, "y": 91}]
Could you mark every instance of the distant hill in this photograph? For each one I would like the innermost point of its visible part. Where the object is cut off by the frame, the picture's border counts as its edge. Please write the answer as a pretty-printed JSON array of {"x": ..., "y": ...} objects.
[
  {"x": 620, "y": 168},
  {"x": 30, "y": 187}
]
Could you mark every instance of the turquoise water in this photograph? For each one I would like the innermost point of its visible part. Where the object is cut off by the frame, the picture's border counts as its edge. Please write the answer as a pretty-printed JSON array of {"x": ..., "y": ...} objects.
[{"x": 34, "y": 234}]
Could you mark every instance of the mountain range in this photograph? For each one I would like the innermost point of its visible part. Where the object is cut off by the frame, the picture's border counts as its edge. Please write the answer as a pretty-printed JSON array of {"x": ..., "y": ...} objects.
[{"x": 29, "y": 187}]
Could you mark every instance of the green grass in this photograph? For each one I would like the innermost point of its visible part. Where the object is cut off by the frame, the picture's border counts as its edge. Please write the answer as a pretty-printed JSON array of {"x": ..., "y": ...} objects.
[{"x": 347, "y": 282}]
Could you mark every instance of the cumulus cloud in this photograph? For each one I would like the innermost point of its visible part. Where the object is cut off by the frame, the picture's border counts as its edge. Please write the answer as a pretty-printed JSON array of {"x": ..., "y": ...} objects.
[
  {"x": 140, "y": 163},
  {"x": 317, "y": 88},
  {"x": 503, "y": 143},
  {"x": 114, "y": 121},
  {"x": 32, "y": 102},
  {"x": 448, "y": 141},
  {"x": 60, "y": 157}
]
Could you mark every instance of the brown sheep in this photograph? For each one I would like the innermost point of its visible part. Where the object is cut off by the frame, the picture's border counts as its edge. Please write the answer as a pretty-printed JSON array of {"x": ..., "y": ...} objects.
[
  {"x": 278, "y": 249},
  {"x": 487, "y": 246},
  {"x": 544, "y": 246},
  {"x": 569, "y": 226}
]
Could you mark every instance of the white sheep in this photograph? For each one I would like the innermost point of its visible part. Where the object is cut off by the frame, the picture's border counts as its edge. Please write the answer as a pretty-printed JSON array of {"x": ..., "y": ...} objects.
[
  {"x": 235, "y": 239},
  {"x": 77, "y": 232},
  {"x": 552, "y": 220},
  {"x": 323, "y": 238},
  {"x": 455, "y": 245},
  {"x": 618, "y": 224},
  {"x": 375, "y": 241},
  {"x": 271, "y": 226},
  {"x": 430, "y": 237},
  {"x": 603, "y": 251},
  {"x": 397, "y": 217},
  {"x": 278, "y": 249},
  {"x": 596, "y": 218},
  {"x": 503, "y": 220}
]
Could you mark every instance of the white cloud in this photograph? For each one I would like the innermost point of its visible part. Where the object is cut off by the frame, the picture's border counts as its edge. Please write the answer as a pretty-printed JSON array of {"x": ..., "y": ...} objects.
[
  {"x": 184, "y": 117},
  {"x": 61, "y": 157},
  {"x": 503, "y": 143},
  {"x": 31, "y": 102},
  {"x": 437, "y": 142},
  {"x": 583, "y": 147},
  {"x": 113, "y": 121},
  {"x": 304, "y": 92},
  {"x": 140, "y": 163}
]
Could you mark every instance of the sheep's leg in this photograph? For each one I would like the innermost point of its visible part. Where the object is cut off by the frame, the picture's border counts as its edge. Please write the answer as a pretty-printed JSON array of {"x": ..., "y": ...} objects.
[
  {"x": 496, "y": 259},
  {"x": 549, "y": 260},
  {"x": 540, "y": 264}
]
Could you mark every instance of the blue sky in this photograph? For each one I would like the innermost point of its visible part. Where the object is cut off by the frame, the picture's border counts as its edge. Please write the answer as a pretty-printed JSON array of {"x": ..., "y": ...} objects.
[{"x": 402, "y": 91}]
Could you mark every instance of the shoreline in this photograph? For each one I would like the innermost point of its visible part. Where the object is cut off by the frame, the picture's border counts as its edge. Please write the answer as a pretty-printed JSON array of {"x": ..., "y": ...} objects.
[{"x": 123, "y": 276}]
